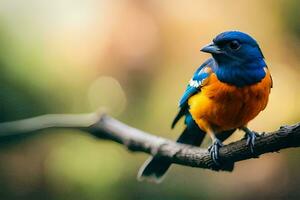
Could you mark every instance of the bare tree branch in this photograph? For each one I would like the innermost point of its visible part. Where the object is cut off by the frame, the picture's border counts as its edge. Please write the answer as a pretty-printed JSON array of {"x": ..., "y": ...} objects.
[{"x": 106, "y": 127}]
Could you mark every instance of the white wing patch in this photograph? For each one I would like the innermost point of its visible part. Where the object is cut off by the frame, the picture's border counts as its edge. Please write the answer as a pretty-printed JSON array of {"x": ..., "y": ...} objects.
[{"x": 196, "y": 83}]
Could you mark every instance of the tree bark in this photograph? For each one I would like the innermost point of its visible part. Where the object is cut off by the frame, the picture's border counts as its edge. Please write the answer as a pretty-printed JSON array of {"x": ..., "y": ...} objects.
[{"x": 105, "y": 127}]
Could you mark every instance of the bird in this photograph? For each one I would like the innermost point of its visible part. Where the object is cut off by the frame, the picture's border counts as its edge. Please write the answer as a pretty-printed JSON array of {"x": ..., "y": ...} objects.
[{"x": 226, "y": 92}]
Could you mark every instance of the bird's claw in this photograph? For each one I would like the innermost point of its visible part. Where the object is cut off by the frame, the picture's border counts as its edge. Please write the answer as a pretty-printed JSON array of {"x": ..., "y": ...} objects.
[
  {"x": 250, "y": 139},
  {"x": 214, "y": 151}
]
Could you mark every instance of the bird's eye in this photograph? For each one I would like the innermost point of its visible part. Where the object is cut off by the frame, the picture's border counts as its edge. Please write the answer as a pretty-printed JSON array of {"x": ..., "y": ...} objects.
[{"x": 234, "y": 45}]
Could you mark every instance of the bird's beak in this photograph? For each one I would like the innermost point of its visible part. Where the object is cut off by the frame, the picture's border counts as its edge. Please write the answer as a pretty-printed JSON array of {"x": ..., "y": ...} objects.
[{"x": 211, "y": 48}]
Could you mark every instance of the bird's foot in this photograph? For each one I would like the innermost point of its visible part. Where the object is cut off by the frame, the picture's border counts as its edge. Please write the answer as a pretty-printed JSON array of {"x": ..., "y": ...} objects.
[
  {"x": 250, "y": 139},
  {"x": 214, "y": 151}
]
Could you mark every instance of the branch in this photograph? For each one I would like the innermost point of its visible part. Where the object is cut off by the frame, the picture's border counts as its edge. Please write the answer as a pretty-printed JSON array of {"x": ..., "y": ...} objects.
[{"x": 106, "y": 127}]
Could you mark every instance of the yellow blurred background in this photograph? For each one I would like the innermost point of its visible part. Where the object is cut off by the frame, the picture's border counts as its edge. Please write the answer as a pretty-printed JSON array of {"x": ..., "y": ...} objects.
[{"x": 133, "y": 58}]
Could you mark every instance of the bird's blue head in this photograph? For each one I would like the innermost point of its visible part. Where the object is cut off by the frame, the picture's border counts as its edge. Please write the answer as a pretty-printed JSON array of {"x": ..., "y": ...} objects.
[{"x": 239, "y": 59}]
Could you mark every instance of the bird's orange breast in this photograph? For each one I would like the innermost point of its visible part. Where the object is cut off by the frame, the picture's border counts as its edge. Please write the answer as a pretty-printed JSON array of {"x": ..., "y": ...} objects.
[{"x": 220, "y": 106}]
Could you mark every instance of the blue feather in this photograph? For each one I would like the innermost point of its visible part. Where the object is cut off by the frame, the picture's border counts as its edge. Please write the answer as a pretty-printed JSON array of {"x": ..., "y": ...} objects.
[{"x": 198, "y": 77}]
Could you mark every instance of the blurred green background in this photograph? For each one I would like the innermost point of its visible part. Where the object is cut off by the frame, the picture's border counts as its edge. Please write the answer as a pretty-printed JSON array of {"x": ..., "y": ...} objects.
[{"x": 133, "y": 58}]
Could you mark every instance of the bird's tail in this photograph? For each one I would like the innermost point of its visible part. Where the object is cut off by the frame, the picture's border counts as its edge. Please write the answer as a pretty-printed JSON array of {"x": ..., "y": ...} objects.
[{"x": 155, "y": 168}]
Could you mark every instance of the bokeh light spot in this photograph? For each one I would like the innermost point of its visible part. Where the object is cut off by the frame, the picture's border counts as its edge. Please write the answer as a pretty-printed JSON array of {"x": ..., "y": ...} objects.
[{"x": 107, "y": 93}]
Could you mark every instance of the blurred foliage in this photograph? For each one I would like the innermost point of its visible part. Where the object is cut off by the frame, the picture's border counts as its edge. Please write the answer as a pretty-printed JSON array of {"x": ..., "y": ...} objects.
[
  {"x": 291, "y": 16},
  {"x": 133, "y": 59},
  {"x": 15, "y": 100}
]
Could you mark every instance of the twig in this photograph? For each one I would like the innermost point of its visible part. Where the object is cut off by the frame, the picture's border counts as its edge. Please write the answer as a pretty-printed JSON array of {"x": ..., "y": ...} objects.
[{"x": 106, "y": 127}]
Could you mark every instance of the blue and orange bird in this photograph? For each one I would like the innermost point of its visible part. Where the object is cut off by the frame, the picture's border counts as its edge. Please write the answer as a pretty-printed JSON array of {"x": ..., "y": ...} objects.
[{"x": 225, "y": 93}]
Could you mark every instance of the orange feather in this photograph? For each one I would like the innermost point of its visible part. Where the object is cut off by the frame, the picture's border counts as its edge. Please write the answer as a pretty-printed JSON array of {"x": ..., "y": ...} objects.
[{"x": 220, "y": 106}]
